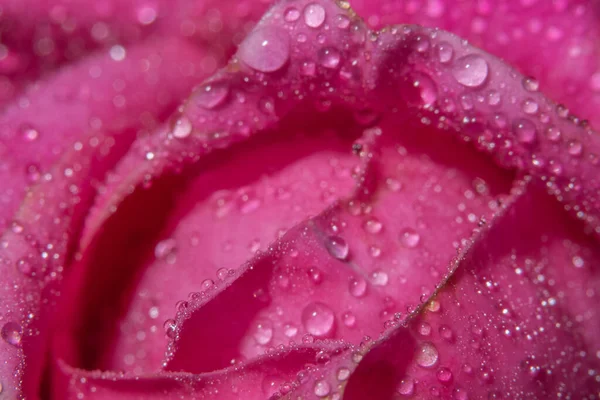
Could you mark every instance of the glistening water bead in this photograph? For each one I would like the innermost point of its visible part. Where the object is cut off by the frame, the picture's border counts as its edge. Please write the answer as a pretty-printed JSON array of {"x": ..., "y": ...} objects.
[{"x": 266, "y": 49}]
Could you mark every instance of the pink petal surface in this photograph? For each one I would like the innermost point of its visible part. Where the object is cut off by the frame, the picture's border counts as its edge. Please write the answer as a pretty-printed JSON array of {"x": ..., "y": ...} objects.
[
  {"x": 85, "y": 139},
  {"x": 507, "y": 323},
  {"x": 554, "y": 41},
  {"x": 245, "y": 203},
  {"x": 40, "y": 37},
  {"x": 261, "y": 378},
  {"x": 408, "y": 80},
  {"x": 503, "y": 325}
]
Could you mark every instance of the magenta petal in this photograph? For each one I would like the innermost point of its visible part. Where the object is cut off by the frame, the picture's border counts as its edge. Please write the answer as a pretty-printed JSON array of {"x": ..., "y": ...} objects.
[
  {"x": 555, "y": 41},
  {"x": 246, "y": 197},
  {"x": 90, "y": 128},
  {"x": 349, "y": 271},
  {"x": 264, "y": 377},
  {"x": 504, "y": 325},
  {"x": 38, "y": 37}
]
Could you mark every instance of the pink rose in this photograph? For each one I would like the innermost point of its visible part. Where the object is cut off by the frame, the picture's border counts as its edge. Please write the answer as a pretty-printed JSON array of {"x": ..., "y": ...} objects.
[{"x": 347, "y": 209}]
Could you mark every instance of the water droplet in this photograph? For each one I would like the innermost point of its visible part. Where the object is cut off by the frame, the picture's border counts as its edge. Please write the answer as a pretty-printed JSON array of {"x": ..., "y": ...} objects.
[
  {"x": 553, "y": 134},
  {"x": 494, "y": 98},
  {"x": 406, "y": 387},
  {"x": 318, "y": 319},
  {"x": 427, "y": 89},
  {"x": 266, "y": 49},
  {"x": 424, "y": 329},
  {"x": 460, "y": 394},
  {"x": 329, "y": 57},
  {"x": 357, "y": 287},
  {"x": 373, "y": 225},
  {"x": 263, "y": 332},
  {"x": 314, "y": 15},
  {"x": 29, "y": 134},
  {"x": 525, "y": 131},
  {"x": 212, "y": 95},
  {"x": 146, "y": 14},
  {"x": 322, "y": 388},
  {"x": 182, "y": 127},
  {"x": 308, "y": 68},
  {"x": 337, "y": 247},
  {"x": 12, "y": 333},
  {"x": 427, "y": 355},
  {"x": 446, "y": 333},
  {"x": 25, "y": 267},
  {"x": 267, "y": 106},
  {"x": 315, "y": 275},
  {"x": 343, "y": 374},
  {"x": 471, "y": 70},
  {"x": 531, "y": 84},
  {"x": 575, "y": 148},
  {"x": 578, "y": 262},
  {"x": 166, "y": 250},
  {"x": 445, "y": 52},
  {"x": 349, "y": 319},
  {"x": 379, "y": 278},
  {"x": 342, "y": 21},
  {"x": 410, "y": 238},
  {"x": 291, "y": 14},
  {"x": 170, "y": 327},
  {"x": 530, "y": 106},
  {"x": 444, "y": 375},
  {"x": 290, "y": 330}
]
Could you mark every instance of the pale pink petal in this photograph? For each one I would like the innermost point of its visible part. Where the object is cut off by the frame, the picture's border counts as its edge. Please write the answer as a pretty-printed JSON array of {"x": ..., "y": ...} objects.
[
  {"x": 265, "y": 377},
  {"x": 557, "y": 42},
  {"x": 61, "y": 144}
]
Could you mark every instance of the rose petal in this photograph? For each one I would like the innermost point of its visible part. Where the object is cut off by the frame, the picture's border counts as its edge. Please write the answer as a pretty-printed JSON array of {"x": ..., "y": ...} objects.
[
  {"x": 38, "y": 38},
  {"x": 91, "y": 136},
  {"x": 564, "y": 34},
  {"x": 262, "y": 378},
  {"x": 505, "y": 324},
  {"x": 346, "y": 272},
  {"x": 245, "y": 196}
]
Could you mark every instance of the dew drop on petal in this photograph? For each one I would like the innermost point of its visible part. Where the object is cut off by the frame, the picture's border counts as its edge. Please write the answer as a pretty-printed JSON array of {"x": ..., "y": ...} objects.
[
  {"x": 471, "y": 70},
  {"x": 182, "y": 127},
  {"x": 373, "y": 225},
  {"x": 322, "y": 388},
  {"x": 314, "y": 15},
  {"x": 379, "y": 278},
  {"x": 427, "y": 355},
  {"x": 525, "y": 131},
  {"x": 444, "y": 375},
  {"x": 263, "y": 332},
  {"x": 329, "y": 57},
  {"x": 170, "y": 327},
  {"x": 349, "y": 319},
  {"x": 343, "y": 374},
  {"x": 531, "y": 84},
  {"x": 445, "y": 52},
  {"x": 318, "y": 319},
  {"x": 406, "y": 387},
  {"x": 553, "y": 134},
  {"x": 291, "y": 14},
  {"x": 166, "y": 250},
  {"x": 12, "y": 333},
  {"x": 357, "y": 287},
  {"x": 460, "y": 394},
  {"x": 211, "y": 96},
  {"x": 29, "y": 134},
  {"x": 410, "y": 238},
  {"x": 337, "y": 247},
  {"x": 266, "y": 49}
]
